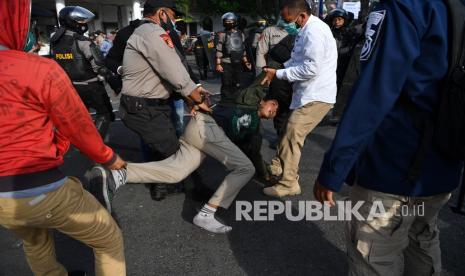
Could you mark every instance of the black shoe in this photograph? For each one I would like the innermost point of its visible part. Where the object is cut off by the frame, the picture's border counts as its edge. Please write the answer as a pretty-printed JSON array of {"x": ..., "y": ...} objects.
[
  {"x": 158, "y": 191},
  {"x": 104, "y": 183}
]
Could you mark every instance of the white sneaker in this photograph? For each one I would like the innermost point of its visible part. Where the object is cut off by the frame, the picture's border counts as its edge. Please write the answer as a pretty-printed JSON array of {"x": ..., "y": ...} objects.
[{"x": 209, "y": 223}]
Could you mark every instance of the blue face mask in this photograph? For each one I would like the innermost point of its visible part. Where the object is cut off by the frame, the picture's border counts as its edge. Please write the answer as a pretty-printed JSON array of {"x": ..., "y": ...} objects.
[
  {"x": 30, "y": 42},
  {"x": 290, "y": 28}
]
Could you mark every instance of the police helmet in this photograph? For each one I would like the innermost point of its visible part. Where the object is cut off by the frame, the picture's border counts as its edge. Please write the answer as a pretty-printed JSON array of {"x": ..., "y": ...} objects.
[
  {"x": 338, "y": 13},
  {"x": 75, "y": 18},
  {"x": 231, "y": 17}
]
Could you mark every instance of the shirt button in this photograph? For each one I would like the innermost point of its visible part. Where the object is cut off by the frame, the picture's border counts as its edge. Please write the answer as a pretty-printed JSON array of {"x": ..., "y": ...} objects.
[{"x": 48, "y": 215}]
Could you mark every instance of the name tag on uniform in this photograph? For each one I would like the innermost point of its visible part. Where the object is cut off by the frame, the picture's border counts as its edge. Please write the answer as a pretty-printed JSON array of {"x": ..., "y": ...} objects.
[{"x": 64, "y": 56}]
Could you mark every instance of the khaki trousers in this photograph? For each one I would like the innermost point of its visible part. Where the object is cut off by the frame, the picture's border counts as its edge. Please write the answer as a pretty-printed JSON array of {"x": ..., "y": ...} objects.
[
  {"x": 404, "y": 241},
  {"x": 201, "y": 137},
  {"x": 72, "y": 211},
  {"x": 301, "y": 122}
]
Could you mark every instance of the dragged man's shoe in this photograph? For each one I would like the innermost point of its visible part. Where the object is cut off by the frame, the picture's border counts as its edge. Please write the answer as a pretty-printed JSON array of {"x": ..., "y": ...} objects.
[
  {"x": 208, "y": 222},
  {"x": 281, "y": 191},
  {"x": 158, "y": 191},
  {"x": 105, "y": 182}
]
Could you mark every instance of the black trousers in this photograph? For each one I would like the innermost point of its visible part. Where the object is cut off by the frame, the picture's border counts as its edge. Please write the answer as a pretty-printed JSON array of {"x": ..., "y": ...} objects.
[
  {"x": 95, "y": 96},
  {"x": 230, "y": 82},
  {"x": 153, "y": 124}
]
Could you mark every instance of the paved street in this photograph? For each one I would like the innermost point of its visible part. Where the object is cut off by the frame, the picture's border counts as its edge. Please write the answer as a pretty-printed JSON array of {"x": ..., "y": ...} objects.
[{"x": 161, "y": 240}]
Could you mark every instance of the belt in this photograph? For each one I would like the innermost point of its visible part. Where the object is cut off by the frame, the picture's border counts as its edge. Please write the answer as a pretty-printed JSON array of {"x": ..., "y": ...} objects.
[{"x": 146, "y": 101}]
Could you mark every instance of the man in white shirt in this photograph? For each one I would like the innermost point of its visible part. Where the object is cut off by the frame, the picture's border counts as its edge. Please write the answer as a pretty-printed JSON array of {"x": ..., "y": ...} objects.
[{"x": 312, "y": 70}]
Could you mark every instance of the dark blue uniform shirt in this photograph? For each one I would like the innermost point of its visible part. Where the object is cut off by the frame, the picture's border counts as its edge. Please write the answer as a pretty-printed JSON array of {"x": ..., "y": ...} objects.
[{"x": 406, "y": 51}]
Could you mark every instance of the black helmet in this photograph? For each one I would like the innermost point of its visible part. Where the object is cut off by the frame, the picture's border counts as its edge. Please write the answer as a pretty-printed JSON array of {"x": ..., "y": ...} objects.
[
  {"x": 338, "y": 13},
  {"x": 229, "y": 16},
  {"x": 75, "y": 18}
]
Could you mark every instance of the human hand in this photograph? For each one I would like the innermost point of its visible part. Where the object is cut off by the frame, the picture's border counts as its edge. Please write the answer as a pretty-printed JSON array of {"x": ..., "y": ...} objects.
[
  {"x": 322, "y": 194},
  {"x": 270, "y": 73},
  {"x": 219, "y": 68},
  {"x": 118, "y": 164}
]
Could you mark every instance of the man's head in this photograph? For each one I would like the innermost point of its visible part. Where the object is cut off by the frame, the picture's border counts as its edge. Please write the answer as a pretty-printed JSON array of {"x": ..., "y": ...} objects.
[
  {"x": 297, "y": 11},
  {"x": 337, "y": 18},
  {"x": 75, "y": 18},
  {"x": 268, "y": 108},
  {"x": 161, "y": 11},
  {"x": 229, "y": 20}
]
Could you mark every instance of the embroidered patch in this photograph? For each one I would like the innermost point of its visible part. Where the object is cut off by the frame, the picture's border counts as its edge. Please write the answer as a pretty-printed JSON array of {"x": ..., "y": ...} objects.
[
  {"x": 373, "y": 29},
  {"x": 167, "y": 40}
]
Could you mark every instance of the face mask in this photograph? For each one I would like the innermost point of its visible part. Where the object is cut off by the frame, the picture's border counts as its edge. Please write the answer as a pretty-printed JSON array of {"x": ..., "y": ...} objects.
[
  {"x": 290, "y": 28},
  {"x": 31, "y": 41},
  {"x": 229, "y": 26},
  {"x": 82, "y": 28}
]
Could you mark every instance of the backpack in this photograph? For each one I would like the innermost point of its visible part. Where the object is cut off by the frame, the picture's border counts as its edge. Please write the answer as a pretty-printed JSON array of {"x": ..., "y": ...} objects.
[
  {"x": 446, "y": 131},
  {"x": 114, "y": 57}
]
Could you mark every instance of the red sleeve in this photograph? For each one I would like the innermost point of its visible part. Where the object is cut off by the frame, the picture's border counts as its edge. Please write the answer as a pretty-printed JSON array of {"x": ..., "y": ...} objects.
[{"x": 70, "y": 116}]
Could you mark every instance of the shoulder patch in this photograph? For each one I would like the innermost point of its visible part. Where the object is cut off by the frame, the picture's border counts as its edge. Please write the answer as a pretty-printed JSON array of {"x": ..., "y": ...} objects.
[
  {"x": 167, "y": 40},
  {"x": 373, "y": 30}
]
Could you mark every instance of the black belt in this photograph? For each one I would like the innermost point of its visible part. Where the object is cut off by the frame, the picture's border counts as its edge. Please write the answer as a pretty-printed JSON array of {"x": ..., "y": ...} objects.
[{"x": 145, "y": 101}]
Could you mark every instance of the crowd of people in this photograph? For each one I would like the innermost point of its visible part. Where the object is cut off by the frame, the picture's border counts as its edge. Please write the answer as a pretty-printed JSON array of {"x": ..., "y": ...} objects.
[{"x": 304, "y": 67}]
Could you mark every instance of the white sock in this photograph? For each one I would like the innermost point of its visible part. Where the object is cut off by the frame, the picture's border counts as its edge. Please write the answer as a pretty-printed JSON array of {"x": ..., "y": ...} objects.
[{"x": 207, "y": 210}]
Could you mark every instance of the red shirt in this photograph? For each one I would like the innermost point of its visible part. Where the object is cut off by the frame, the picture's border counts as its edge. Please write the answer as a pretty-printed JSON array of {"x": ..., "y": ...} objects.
[{"x": 40, "y": 111}]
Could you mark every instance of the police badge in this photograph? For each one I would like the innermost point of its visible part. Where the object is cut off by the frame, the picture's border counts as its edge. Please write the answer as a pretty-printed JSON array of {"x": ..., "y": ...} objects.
[{"x": 373, "y": 29}]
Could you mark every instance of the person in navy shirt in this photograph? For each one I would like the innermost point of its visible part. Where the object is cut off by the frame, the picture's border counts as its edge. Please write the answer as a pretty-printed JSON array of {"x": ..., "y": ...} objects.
[{"x": 405, "y": 53}]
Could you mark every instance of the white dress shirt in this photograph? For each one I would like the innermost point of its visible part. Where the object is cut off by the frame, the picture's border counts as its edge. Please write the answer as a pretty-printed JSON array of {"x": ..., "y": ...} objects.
[{"x": 312, "y": 67}]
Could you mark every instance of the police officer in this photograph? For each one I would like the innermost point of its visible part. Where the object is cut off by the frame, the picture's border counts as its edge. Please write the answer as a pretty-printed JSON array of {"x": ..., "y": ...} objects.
[
  {"x": 83, "y": 62},
  {"x": 204, "y": 48},
  {"x": 346, "y": 40},
  {"x": 230, "y": 56},
  {"x": 152, "y": 71},
  {"x": 377, "y": 140}
]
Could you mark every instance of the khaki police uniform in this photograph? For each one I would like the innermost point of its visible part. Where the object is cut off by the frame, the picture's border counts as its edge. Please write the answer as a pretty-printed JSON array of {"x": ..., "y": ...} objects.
[
  {"x": 268, "y": 39},
  {"x": 152, "y": 71}
]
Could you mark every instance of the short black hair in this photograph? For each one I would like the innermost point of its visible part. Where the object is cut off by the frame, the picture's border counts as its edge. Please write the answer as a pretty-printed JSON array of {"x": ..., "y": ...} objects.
[
  {"x": 149, "y": 10},
  {"x": 296, "y": 6}
]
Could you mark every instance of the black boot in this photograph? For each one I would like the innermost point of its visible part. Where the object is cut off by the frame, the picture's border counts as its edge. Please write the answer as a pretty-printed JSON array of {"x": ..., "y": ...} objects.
[{"x": 158, "y": 191}]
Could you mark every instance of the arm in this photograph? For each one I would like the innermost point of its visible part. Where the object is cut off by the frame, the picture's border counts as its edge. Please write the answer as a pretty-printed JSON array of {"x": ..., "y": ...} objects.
[
  {"x": 380, "y": 84},
  {"x": 219, "y": 52},
  {"x": 71, "y": 118}
]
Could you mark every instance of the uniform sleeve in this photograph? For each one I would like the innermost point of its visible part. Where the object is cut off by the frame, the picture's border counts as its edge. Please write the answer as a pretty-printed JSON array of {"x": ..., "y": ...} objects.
[
  {"x": 158, "y": 49},
  {"x": 262, "y": 48},
  {"x": 312, "y": 56},
  {"x": 385, "y": 72},
  {"x": 71, "y": 118}
]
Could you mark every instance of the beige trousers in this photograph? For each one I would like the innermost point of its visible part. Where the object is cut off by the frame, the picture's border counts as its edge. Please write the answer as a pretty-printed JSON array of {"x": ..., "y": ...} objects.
[
  {"x": 405, "y": 241},
  {"x": 72, "y": 211},
  {"x": 201, "y": 137},
  {"x": 301, "y": 122}
]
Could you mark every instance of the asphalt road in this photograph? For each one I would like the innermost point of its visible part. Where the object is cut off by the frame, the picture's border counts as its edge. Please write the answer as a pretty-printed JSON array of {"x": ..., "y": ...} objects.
[{"x": 161, "y": 240}]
